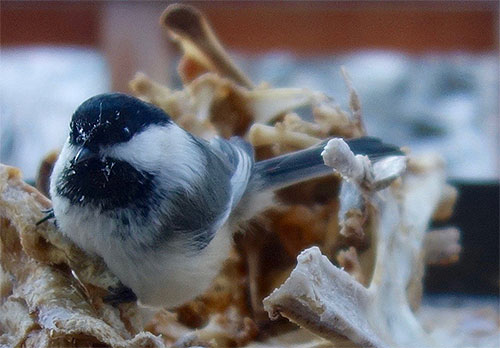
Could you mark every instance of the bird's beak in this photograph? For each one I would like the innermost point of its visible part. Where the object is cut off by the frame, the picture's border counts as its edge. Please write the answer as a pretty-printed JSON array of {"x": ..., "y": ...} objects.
[{"x": 84, "y": 154}]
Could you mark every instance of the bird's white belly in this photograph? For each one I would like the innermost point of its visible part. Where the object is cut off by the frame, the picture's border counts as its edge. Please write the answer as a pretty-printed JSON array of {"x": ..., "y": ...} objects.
[
  {"x": 162, "y": 277},
  {"x": 169, "y": 279}
]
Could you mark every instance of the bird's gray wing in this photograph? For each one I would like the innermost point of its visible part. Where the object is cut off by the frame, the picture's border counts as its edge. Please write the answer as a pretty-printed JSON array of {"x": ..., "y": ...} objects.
[
  {"x": 191, "y": 216},
  {"x": 239, "y": 156},
  {"x": 288, "y": 169}
]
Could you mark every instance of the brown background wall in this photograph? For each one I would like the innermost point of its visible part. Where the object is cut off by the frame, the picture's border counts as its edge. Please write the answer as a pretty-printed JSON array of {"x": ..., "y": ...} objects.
[{"x": 131, "y": 39}]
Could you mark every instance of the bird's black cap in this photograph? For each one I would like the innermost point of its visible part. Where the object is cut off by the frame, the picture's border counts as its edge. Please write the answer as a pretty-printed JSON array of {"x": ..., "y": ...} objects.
[{"x": 112, "y": 118}]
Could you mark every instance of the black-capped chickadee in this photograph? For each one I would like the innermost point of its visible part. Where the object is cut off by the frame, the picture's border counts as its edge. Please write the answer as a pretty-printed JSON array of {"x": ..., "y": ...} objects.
[{"x": 159, "y": 204}]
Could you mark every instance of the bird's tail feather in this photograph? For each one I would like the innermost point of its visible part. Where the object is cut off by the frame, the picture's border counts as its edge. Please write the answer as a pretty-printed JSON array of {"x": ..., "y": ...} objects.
[{"x": 307, "y": 164}]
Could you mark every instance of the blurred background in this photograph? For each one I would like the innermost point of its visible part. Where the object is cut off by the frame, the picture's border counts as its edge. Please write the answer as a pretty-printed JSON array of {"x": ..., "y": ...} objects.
[{"x": 427, "y": 73}]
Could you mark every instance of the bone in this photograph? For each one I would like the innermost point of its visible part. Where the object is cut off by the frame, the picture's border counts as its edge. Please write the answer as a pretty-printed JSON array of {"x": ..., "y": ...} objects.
[
  {"x": 354, "y": 102},
  {"x": 339, "y": 156},
  {"x": 442, "y": 247},
  {"x": 189, "y": 26},
  {"x": 261, "y": 135},
  {"x": 326, "y": 300}
]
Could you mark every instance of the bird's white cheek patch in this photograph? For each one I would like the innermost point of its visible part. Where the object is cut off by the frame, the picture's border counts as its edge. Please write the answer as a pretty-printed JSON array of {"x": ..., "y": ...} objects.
[{"x": 161, "y": 150}]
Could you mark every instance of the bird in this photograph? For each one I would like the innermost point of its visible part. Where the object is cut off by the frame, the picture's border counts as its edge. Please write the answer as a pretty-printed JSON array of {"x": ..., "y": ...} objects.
[{"x": 160, "y": 205}]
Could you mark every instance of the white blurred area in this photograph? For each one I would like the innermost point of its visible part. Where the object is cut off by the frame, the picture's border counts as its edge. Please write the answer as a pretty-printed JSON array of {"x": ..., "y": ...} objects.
[
  {"x": 445, "y": 103},
  {"x": 40, "y": 88}
]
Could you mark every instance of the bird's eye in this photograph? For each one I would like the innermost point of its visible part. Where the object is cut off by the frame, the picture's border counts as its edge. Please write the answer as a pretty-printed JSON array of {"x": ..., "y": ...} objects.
[{"x": 126, "y": 133}]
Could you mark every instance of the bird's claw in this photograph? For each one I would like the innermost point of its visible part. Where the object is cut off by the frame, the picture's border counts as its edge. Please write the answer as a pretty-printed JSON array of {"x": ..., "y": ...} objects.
[
  {"x": 118, "y": 295},
  {"x": 49, "y": 214}
]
